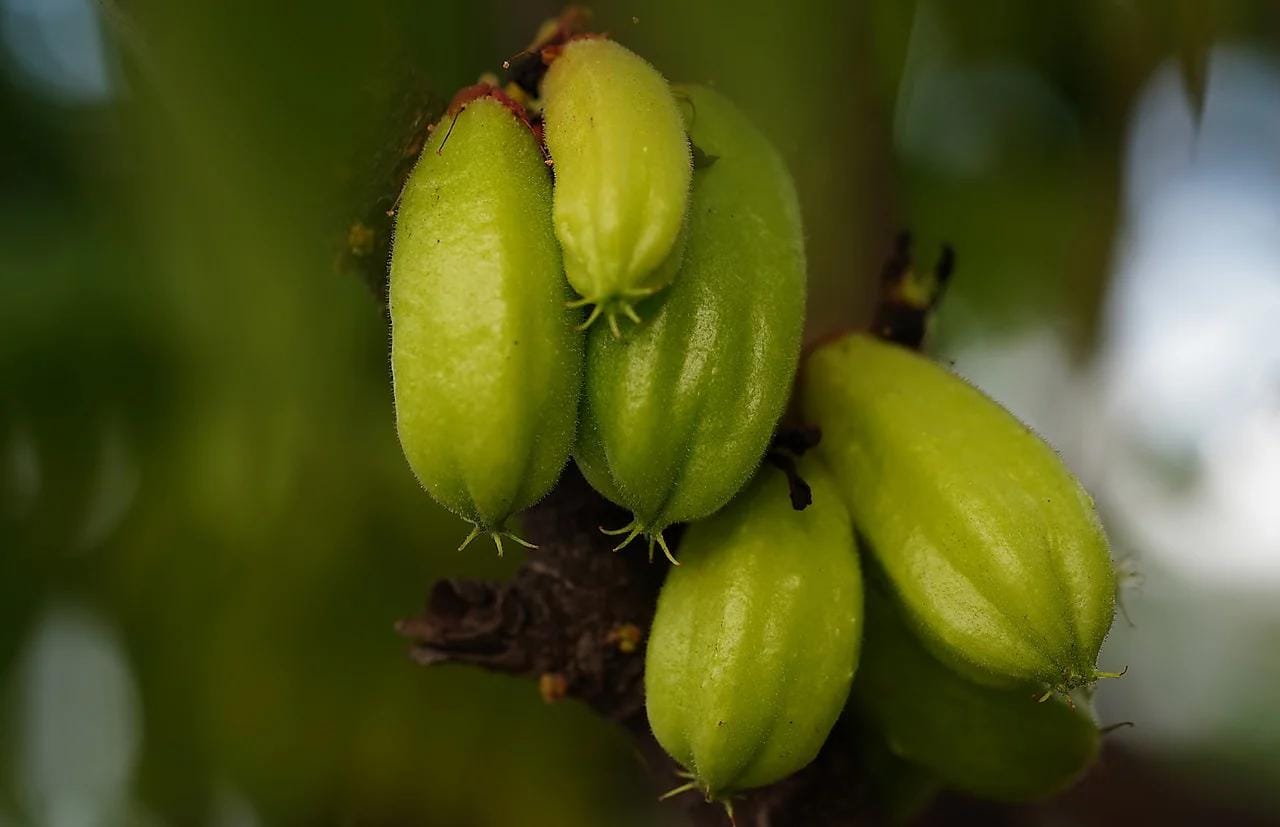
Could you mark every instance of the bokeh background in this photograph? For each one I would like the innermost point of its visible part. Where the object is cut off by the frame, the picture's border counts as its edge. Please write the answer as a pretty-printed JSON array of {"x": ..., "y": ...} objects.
[{"x": 206, "y": 526}]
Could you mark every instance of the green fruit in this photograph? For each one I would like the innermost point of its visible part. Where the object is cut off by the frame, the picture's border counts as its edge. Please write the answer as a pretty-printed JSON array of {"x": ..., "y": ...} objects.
[
  {"x": 756, "y": 636},
  {"x": 994, "y": 743},
  {"x": 988, "y": 541},
  {"x": 486, "y": 363},
  {"x": 899, "y": 790},
  {"x": 622, "y": 169},
  {"x": 677, "y": 415}
]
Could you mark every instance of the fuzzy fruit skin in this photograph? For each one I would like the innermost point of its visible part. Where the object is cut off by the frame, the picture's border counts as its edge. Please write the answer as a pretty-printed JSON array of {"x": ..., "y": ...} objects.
[
  {"x": 677, "y": 415},
  {"x": 756, "y": 635},
  {"x": 622, "y": 168},
  {"x": 991, "y": 545},
  {"x": 486, "y": 363},
  {"x": 994, "y": 743}
]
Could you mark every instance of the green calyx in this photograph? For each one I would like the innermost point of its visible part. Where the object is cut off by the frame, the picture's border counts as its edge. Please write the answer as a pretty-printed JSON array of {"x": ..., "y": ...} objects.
[
  {"x": 636, "y": 528},
  {"x": 611, "y": 308},
  {"x": 694, "y": 784},
  {"x": 1074, "y": 681},
  {"x": 496, "y": 535}
]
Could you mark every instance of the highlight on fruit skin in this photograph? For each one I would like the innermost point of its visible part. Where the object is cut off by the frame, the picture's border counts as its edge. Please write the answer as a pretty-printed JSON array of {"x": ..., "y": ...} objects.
[
  {"x": 622, "y": 168},
  {"x": 676, "y": 416},
  {"x": 486, "y": 363},
  {"x": 756, "y": 636},
  {"x": 990, "y": 544},
  {"x": 994, "y": 743}
]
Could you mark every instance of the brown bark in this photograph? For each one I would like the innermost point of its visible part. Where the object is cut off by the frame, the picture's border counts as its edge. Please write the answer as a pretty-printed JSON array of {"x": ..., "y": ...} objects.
[{"x": 574, "y": 618}]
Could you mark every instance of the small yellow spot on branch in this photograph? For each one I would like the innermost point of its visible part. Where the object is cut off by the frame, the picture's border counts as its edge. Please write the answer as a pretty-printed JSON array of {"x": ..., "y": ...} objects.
[
  {"x": 553, "y": 686},
  {"x": 626, "y": 636},
  {"x": 360, "y": 238}
]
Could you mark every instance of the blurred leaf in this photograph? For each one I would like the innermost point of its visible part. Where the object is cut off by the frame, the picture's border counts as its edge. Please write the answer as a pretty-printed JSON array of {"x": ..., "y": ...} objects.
[
  {"x": 1195, "y": 30},
  {"x": 376, "y": 180},
  {"x": 80, "y": 721},
  {"x": 891, "y": 24}
]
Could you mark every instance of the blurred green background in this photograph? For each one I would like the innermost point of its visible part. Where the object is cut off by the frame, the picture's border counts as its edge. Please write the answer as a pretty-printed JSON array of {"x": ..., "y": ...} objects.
[{"x": 206, "y": 526}]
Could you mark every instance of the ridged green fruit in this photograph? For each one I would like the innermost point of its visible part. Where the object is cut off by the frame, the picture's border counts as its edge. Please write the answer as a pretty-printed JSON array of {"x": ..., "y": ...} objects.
[
  {"x": 622, "y": 168},
  {"x": 756, "y": 636},
  {"x": 677, "y": 415},
  {"x": 487, "y": 365},
  {"x": 993, "y": 743},
  {"x": 988, "y": 541}
]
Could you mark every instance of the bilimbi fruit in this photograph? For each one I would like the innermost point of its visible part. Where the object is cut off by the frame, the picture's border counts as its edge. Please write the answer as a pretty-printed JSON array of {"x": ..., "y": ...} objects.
[
  {"x": 993, "y": 743},
  {"x": 677, "y": 415},
  {"x": 998, "y": 584},
  {"x": 756, "y": 636},
  {"x": 622, "y": 168},
  {"x": 486, "y": 362},
  {"x": 989, "y": 543}
]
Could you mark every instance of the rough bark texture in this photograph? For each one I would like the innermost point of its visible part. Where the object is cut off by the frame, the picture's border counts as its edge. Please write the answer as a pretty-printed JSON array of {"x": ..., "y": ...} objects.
[{"x": 574, "y": 618}]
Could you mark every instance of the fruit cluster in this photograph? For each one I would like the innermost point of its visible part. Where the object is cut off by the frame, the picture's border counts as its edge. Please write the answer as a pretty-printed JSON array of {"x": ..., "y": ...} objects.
[
  {"x": 598, "y": 264},
  {"x": 989, "y": 590}
]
